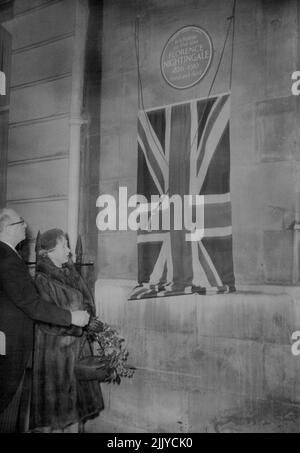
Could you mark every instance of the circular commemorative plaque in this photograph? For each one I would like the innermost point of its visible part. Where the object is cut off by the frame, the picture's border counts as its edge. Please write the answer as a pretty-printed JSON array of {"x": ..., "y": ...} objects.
[{"x": 186, "y": 57}]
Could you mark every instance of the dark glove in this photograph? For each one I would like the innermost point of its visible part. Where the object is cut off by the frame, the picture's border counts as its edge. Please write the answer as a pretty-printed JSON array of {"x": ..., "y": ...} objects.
[{"x": 94, "y": 326}]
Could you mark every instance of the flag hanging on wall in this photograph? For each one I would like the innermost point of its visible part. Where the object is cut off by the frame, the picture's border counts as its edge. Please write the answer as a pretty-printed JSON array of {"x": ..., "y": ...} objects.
[{"x": 184, "y": 149}]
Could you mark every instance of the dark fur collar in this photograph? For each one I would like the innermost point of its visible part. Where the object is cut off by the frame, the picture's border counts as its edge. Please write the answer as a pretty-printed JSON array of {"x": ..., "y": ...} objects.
[{"x": 66, "y": 274}]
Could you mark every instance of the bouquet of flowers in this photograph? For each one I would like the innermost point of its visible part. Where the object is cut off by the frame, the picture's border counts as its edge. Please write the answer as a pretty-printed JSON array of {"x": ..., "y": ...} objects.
[{"x": 111, "y": 351}]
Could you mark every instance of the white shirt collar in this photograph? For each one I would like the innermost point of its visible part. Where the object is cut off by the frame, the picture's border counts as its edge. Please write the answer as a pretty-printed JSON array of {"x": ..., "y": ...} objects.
[{"x": 9, "y": 245}]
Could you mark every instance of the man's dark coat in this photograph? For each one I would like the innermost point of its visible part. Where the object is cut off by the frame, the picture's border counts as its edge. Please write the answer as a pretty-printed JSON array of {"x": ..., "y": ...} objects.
[{"x": 20, "y": 305}]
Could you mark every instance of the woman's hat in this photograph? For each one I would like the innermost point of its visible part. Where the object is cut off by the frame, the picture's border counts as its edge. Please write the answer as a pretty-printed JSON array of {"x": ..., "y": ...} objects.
[{"x": 48, "y": 240}]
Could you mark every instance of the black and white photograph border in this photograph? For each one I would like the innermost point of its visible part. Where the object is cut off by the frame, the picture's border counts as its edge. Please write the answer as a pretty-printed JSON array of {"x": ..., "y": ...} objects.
[{"x": 149, "y": 218}]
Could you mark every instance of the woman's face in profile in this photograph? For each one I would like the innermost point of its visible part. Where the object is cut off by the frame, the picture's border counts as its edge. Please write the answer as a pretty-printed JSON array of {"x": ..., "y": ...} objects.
[{"x": 60, "y": 254}]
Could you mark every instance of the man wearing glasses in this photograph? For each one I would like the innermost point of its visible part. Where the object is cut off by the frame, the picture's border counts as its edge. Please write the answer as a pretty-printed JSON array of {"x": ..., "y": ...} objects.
[{"x": 20, "y": 305}]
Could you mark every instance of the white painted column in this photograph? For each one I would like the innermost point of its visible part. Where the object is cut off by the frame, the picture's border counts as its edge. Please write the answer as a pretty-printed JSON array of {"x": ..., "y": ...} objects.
[
  {"x": 2, "y": 84},
  {"x": 81, "y": 26},
  {"x": 2, "y": 343}
]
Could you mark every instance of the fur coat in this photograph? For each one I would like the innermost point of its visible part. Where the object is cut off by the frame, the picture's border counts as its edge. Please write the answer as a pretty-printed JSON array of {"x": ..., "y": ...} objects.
[{"x": 58, "y": 398}]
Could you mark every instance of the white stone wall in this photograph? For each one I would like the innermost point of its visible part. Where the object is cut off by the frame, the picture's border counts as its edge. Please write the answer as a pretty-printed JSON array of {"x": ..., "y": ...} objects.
[
  {"x": 41, "y": 85},
  {"x": 218, "y": 363}
]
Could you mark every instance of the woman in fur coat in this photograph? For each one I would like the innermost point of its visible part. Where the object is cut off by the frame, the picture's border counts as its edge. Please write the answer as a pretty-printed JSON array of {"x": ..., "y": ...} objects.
[{"x": 59, "y": 399}]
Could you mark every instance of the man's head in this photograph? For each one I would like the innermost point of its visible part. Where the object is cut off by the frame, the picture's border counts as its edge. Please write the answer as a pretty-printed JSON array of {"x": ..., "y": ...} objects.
[{"x": 12, "y": 227}]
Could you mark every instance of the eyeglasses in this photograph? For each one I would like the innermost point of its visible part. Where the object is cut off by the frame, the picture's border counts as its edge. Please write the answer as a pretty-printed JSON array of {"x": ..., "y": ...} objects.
[{"x": 21, "y": 221}]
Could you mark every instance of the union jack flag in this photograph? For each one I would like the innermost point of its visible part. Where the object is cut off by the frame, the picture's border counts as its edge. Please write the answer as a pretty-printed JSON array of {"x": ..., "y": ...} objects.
[{"x": 184, "y": 149}]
